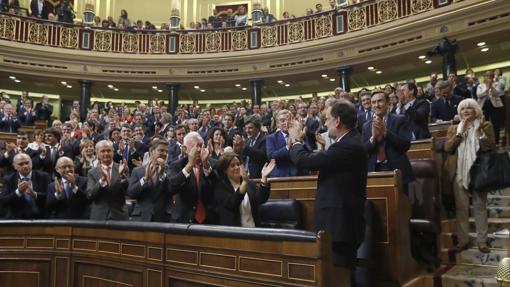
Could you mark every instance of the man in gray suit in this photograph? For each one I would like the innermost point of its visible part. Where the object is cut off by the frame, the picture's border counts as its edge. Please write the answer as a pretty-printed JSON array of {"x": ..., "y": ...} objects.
[
  {"x": 107, "y": 185},
  {"x": 150, "y": 185}
]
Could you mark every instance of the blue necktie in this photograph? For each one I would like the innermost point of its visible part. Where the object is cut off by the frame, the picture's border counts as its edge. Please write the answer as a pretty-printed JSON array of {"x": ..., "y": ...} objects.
[{"x": 67, "y": 191}]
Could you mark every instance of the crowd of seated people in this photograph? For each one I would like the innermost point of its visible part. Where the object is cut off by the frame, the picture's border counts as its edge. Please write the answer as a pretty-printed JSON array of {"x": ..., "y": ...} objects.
[{"x": 198, "y": 164}]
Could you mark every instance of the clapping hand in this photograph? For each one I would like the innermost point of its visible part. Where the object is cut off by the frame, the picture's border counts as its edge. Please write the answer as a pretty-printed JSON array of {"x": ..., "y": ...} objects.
[
  {"x": 123, "y": 168},
  {"x": 267, "y": 169},
  {"x": 204, "y": 156}
]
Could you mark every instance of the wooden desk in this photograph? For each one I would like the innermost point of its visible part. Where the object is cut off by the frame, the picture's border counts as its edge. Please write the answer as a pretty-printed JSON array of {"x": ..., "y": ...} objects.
[
  {"x": 395, "y": 264},
  {"x": 89, "y": 254}
]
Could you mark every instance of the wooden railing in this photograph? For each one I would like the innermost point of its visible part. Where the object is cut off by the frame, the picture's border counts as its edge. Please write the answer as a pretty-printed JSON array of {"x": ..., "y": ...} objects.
[{"x": 281, "y": 33}]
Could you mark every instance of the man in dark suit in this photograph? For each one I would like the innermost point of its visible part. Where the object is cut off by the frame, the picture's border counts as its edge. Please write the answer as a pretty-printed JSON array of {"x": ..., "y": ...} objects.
[
  {"x": 310, "y": 125},
  {"x": 12, "y": 149},
  {"x": 107, "y": 185},
  {"x": 416, "y": 111},
  {"x": 49, "y": 154},
  {"x": 228, "y": 125},
  {"x": 190, "y": 179},
  {"x": 341, "y": 184},
  {"x": 27, "y": 114},
  {"x": 24, "y": 191},
  {"x": 142, "y": 142},
  {"x": 253, "y": 149},
  {"x": 176, "y": 145},
  {"x": 40, "y": 9},
  {"x": 150, "y": 185},
  {"x": 9, "y": 122},
  {"x": 126, "y": 150},
  {"x": 67, "y": 198},
  {"x": 277, "y": 147},
  {"x": 387, "y": 138},
  {"x": 445, "y": 108},
  {"x": 44, "y": 110}
]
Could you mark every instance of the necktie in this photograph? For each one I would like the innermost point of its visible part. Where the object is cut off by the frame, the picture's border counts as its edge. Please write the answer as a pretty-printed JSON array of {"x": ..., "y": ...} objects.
[
  {"x": 9, "y": 123},
  {"x": 108, "y": 175},
  {"x": 67, "y": 191},
  {"x": 26, "y": 196},
  {"x": 126, "y": 152},
  {"x": 200, "y": 214}
]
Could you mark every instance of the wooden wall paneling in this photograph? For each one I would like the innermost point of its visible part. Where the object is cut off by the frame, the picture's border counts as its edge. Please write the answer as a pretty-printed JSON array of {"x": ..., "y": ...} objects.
[{"x": 25, "y": 270}]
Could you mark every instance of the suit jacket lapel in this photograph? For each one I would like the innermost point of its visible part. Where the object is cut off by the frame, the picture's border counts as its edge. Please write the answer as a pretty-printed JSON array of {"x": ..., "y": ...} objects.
[{"x": 115, "y": 172}]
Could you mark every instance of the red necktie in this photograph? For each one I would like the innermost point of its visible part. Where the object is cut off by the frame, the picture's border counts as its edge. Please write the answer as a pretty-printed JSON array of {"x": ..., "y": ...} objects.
[
  {"x": 108, "y": 175},
  {"x": 200, "y": 214}
]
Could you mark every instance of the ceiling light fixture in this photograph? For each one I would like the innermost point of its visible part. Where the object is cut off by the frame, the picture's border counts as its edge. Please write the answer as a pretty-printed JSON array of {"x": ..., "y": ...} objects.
[
  {"x": 202, "y": 90},
  {"x": 422, "y": 57},
  {"x": 160, "y": 91},
  {"x": 428, "y": 62},
  {"x": 17, "y": 81},
  {"x": 287, "y": 85},
  {"x": 196, "y": 87},
  {"x": 64, "y": 83},
  {"x": 331, "y": 80},
  {"x": 480, "y": 44},
  {"x": 324, "y": 76},
  {"x": 238, "y": 85},
  {"x": 110, "y": 86},
  {"x": 155, "y": 87},
  {"x": 484, "y": 49},
  {"x": 244, "y": 89},
  {"x": 12, "y": 77},
  {"x": 378, "y": 72},
  {"x": 69, "y": 86},
  {"x": 279, "y": 82},
  {"x": 371, "y": 68},
  {"x": 116, "y": 89}
]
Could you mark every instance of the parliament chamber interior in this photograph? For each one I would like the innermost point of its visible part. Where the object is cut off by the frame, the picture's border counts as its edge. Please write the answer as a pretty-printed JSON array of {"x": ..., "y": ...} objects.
[{"x": 254, "y": 143}]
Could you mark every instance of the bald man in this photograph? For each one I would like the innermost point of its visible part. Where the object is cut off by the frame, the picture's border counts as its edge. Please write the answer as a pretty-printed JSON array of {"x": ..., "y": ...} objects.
[
  {"x": 24, "y": 191},
  {"x": 67, "y": 198}
]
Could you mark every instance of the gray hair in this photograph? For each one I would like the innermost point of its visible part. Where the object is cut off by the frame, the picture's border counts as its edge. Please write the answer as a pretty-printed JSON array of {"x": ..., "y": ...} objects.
[
  {"x": 442, "y": 84},
  {"x": 191, "y": 137},
  {"x": 102, "y": 143},
  {"x": 470, "y": 103}
]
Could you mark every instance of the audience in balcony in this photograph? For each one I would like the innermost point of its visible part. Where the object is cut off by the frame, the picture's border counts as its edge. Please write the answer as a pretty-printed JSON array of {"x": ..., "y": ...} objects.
[
  {"x": 241, "y": 17},
  {"x": 64, "y": 12},
  {"x": 40, "y": 9}
]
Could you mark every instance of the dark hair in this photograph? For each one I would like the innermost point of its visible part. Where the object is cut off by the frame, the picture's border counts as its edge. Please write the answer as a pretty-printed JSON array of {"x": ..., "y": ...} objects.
[
  {"x": 224, "y": 161},
  {"x": 255, "y": 120},
  {"x": 127, "y": 126},
  {"x": 412, "y": 86},
  {"x": 346, "y": 111},
  {"x": 22, "y": 133},
  {"x": 375, "y": 92},
  {"x": 114, "y": 129},
  {"x": 156, "y": 142},
  {"x": 224, "y": 135},
  {"x": 54, "y": 132}
]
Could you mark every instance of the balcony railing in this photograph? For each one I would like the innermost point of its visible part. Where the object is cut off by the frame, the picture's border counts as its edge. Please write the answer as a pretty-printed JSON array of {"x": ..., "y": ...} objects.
[{"x": 318, "y": 26}]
